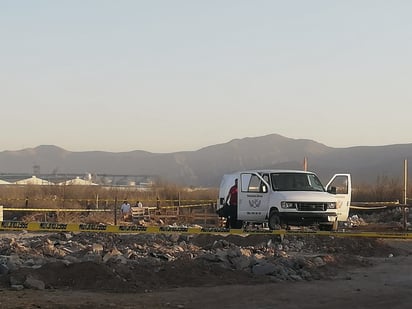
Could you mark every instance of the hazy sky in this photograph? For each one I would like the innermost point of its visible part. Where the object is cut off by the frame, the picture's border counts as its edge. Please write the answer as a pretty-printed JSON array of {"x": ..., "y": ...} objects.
[{"x": 174, "y": 75}]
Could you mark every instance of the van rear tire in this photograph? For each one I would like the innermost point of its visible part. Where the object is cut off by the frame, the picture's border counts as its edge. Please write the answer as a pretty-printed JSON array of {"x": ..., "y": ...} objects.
[
  {"x": 274, "y": 221},
  {"x": 237, "y": 224}
]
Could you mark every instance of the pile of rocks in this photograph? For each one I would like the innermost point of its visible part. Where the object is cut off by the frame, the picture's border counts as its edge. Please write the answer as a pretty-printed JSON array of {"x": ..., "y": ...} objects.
[{"x": 147, "y": 261}]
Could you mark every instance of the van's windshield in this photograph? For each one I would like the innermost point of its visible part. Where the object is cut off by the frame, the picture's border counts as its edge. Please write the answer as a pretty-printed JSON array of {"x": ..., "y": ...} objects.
[{"x": 296, "y": 182}]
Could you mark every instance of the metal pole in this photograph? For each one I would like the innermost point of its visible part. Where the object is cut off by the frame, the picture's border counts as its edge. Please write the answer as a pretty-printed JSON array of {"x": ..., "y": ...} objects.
[
  {"x": 178, "y": 204},
  {"x": 115, "y": 210},
  {"x": 405, "y": 188}
]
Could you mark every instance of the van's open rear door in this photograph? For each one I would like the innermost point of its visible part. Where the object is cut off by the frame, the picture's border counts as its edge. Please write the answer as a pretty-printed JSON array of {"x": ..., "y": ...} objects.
[{"x": 343, "y": 186}]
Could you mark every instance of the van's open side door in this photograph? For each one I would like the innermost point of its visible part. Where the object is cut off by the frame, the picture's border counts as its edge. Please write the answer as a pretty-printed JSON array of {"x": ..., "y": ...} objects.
[
  {"x": 342, "y": 185},
  {"x": 253, "y": 196}
]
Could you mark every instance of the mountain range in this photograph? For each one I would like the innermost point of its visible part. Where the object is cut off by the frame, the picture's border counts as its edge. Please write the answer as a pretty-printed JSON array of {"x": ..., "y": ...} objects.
[{"x": 205, "y": 167}]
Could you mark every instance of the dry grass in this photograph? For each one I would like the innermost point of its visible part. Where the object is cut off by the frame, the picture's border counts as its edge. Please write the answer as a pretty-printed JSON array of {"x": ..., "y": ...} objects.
[{"x": 92, "y": 197}]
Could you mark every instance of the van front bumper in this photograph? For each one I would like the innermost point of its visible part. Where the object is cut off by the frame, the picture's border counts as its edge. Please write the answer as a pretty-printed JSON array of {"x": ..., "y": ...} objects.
[{"x": 306, "y": 218}]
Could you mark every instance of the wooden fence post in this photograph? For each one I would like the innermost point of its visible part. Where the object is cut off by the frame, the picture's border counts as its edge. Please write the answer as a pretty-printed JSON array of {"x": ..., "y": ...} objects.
[{"x": 115, "y": 210}]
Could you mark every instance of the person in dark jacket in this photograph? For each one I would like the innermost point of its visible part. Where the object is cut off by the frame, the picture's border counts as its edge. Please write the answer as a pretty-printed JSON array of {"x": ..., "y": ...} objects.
[{"x": 231, "y": 200}]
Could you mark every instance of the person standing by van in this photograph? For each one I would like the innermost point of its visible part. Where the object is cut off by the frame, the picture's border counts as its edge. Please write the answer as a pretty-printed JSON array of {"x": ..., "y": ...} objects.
[{"x": 232, "y": 198}]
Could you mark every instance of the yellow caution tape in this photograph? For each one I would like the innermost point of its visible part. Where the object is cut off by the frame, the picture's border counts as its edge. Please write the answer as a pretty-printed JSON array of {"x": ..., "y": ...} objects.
[
  {"x": 57, "y": 209},
  {"x": 368, "y": 208},
  {"x": 103, "y": 228},
  {"x": 84, "y": 209},
  {"x": 101, "y": 200}
]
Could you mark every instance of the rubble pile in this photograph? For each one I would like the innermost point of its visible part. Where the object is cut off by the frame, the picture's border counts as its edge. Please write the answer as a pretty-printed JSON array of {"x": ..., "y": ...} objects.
[
  {"x": 143, "y": 262},
  {"x": 384, "y": 219},
  {"x": 386, "y": 215}
]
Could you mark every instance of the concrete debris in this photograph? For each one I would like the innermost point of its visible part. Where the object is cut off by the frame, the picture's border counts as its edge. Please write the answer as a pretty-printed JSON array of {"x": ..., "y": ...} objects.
[
  {"x": 17, "y": 287},
  {"x": 3, "y": 269},
  {"x": 32, "y": 283},
  {"x": 264, "y": 269},
  {"x": 133, "y": 261},
  {"x": 355, "y": 220}
]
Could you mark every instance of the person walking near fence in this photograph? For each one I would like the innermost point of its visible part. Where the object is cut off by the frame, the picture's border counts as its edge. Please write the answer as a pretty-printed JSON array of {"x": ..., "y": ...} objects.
[{"x": 126, "y": 211}]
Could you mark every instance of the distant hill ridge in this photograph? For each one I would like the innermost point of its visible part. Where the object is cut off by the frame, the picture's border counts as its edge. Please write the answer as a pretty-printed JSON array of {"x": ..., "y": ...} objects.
[{"x": 205, "y": 167}]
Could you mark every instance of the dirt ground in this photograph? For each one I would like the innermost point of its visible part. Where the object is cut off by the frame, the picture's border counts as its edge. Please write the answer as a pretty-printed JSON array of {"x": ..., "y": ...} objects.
[{"x": 358, "y": 273}]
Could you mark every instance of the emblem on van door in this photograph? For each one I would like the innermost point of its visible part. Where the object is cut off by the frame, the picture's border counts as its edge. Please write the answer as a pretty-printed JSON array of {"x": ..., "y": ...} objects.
[{"x": 254, "y": 203}]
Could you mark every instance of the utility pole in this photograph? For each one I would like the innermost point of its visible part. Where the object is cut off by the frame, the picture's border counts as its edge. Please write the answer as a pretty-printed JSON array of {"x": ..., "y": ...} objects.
[
  {"x": 405, "y": 191},
  {"x": 115, "y": 210},
  {"x": 305, "y": 164}
]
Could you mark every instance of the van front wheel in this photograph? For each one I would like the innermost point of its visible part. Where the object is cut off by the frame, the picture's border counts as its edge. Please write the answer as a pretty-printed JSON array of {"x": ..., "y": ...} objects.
[{"x": 274, "y": 221}]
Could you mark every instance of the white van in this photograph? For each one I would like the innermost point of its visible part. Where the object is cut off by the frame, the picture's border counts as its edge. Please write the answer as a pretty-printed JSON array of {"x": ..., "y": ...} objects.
[{"x": 289, "y": 197}]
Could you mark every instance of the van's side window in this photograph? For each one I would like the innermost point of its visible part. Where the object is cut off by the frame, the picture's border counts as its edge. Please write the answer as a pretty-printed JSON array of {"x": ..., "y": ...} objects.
[
  {"x": 252, "y": 183},
  {"x": 244, "y": 182}
]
